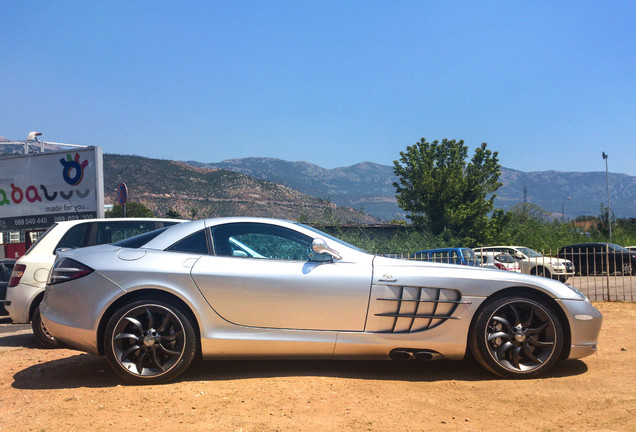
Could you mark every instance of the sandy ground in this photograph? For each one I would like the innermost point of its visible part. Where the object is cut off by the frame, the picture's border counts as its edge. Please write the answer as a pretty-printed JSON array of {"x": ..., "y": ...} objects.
[{"x": 64, "y": 390}]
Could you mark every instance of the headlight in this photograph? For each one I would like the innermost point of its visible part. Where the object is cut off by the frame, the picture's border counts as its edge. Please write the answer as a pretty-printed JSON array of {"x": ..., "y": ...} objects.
[{"x": 577, "y": 291}]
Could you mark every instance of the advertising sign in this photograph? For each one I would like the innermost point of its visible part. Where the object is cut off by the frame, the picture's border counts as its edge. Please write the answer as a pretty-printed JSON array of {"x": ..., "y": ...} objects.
[{"x": 40, "y": 189}]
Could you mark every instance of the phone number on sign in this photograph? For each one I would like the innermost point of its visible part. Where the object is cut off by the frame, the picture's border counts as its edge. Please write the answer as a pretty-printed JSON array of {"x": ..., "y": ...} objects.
[
  {"x": 25, "y": 222},
  {"x": 72, "y": 217}
]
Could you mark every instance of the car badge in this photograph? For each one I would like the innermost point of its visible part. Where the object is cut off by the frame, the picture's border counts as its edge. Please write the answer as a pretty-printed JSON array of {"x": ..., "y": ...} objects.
[{"x": 387, "y": 278}]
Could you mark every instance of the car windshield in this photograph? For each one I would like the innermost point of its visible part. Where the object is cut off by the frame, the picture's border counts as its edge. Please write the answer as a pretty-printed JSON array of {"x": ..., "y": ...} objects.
[
  {"x": 330, "y": 237},
  {"x": 530, "y": 253},
  {"x": 470, "y": 256},
  {"x": 504, "y": 258},
  {"x": 616, "y": 248}
]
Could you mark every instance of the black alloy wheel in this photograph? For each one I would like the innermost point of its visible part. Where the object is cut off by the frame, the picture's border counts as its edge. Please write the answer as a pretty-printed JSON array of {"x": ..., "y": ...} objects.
[
  {"x": 149, "y": 342},
  {"x": 517, "y": 336}
]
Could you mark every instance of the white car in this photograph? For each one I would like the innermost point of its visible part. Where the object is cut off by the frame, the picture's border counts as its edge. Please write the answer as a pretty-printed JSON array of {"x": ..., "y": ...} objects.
[
  {"x": 28, "y": 279},
  {"x": 498, "y": 260},
  {"x": 534, "y": 263}
]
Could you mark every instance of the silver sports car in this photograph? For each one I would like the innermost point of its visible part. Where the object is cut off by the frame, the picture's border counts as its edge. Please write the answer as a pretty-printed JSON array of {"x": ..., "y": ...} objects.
[{"x": 263, "y": 288}]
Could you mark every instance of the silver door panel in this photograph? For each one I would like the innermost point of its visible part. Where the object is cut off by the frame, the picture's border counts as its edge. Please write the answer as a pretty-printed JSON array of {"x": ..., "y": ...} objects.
[{"x": 286, "y": 294}]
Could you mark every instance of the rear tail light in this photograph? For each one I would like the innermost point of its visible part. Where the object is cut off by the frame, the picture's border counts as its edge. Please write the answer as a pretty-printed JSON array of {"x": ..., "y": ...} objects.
[
  {"x": 16, "y": 275},
  {"x": 67, "y": 269},
  {"x": 500, "y": 266}
]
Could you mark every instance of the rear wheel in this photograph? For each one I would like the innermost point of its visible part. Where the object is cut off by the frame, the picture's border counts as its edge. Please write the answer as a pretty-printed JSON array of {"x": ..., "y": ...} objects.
[
  {"x": 42, "y": 335},
  {"x": 627, "y": 269},
  {"x": 517, "y": 336},
  {"x": 149, "y": 342},
  {"x": 541, "y": 271}
]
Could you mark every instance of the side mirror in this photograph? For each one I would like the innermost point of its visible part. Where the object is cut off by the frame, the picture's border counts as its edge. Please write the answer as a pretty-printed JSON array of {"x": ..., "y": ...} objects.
[
  {"x": 62, "y": 249},
  {"x": 518, "y": 255},
  {"x": 319, "y": 246}
]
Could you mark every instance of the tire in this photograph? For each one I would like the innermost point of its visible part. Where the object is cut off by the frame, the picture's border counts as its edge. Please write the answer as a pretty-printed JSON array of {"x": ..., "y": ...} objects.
[
  {"x": 627, "y": 269},
  {"x": 541, "y": 271},
  {"x": 43, "y": 337},
  {"x": 150, "y": 342},
  {"x": 517, "y": 336}
]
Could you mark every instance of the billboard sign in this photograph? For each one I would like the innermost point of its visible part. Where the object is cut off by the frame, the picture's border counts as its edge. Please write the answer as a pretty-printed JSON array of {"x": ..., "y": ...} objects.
[{"x": 40, "y": 189}]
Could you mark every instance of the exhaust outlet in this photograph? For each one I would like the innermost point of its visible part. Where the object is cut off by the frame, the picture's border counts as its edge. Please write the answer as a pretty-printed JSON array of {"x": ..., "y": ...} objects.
[
  {"x": 417, "y": 354},
  {"x": 400, "y": 354},
  {"x": 424, "y": 355}
]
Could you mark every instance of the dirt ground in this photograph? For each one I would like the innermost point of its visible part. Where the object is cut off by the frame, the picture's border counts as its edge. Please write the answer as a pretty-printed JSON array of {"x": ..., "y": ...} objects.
[{"x": 64, "y": 390}]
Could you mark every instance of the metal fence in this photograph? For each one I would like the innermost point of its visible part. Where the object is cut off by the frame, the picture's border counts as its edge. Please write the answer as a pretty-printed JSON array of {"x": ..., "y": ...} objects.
[{"x": 600, "y": 274}]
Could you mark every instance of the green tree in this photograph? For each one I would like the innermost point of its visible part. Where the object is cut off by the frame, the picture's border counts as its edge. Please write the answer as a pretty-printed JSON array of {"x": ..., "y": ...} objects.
[
  {"x": 193, "y": 213},
  {"x": 443, "y": 192},
  {"x": 133, "y": 209},
  {"x": 173, "y": 214}
]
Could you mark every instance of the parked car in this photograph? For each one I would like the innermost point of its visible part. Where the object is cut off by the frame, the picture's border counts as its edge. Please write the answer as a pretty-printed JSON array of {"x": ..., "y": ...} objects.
[
  {"x": 459, "y": 255},
  {"x": 26, "y": 286},
  {"x": 498, "y": 260},
  {"x": 631, "y": 248},
  {"x": 6, "y": 266},
  {"x": 596, "y": 258},
  {"x": 152, "y": 303},
  {"x": 534, "y": 263}
]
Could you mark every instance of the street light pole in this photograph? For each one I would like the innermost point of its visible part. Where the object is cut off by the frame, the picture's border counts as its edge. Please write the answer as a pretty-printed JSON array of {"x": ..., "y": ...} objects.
[
  {"x": 563, "y": 207},
  {"x": 609, "y": 210}
]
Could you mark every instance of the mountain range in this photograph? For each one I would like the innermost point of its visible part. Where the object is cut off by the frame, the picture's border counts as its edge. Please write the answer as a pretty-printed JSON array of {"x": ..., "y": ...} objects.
[
  {"x": 361, "y": 193},
  {"x": 162, "y": 185},
  {"x": 369, "y": 186}
]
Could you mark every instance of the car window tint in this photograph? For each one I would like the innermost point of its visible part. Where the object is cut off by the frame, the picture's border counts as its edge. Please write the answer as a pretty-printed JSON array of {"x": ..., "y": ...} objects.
[
  {"x": 263, "y": 241},
  {"x": 195, "y": 243},
  {"x": 75, "y": 237},
  {"x": 111, "y": 232}
]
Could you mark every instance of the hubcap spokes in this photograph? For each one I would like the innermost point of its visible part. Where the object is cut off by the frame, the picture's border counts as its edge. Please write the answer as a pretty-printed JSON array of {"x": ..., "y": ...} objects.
[
  {"x": 148, "y": 340},
  {"x": 521, "y": 336}
]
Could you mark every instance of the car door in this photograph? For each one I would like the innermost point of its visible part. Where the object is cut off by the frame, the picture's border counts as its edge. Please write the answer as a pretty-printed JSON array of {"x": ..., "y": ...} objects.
[{"x": 261, "y": 275}]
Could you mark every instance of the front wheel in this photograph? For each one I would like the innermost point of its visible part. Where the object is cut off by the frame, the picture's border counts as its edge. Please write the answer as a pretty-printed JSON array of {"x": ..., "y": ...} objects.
[
  {"x": 149, "y": 342},
  {"x": 42, "y": 335},
  {"x": 517, "y": 336}
]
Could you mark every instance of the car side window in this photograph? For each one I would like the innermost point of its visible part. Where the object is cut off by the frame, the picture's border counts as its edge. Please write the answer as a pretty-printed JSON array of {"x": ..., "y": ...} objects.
[
  {"x": 196, "y": 243},
  {"x": 75, "y": 237},
  {"x": 111, "y": 232},
  {"x": 261, "y": 241}
]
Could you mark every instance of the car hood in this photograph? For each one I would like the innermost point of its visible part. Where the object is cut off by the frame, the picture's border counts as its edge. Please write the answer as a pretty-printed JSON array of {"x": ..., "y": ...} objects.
[{"x": 473, "y": 281}]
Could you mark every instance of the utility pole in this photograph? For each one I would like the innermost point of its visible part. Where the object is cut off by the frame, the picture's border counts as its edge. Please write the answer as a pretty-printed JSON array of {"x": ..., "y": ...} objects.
[{"x": 609, "y": 209}]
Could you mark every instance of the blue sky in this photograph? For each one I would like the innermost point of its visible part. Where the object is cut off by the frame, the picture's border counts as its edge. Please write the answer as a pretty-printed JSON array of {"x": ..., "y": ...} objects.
[{"x": 549, "y": 85}]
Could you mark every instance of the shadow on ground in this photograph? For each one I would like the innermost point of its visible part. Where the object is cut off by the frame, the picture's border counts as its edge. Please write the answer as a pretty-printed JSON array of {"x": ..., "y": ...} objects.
[
  {"x": 24, "y": 340},
  {"x": 85, "y": 370}
]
